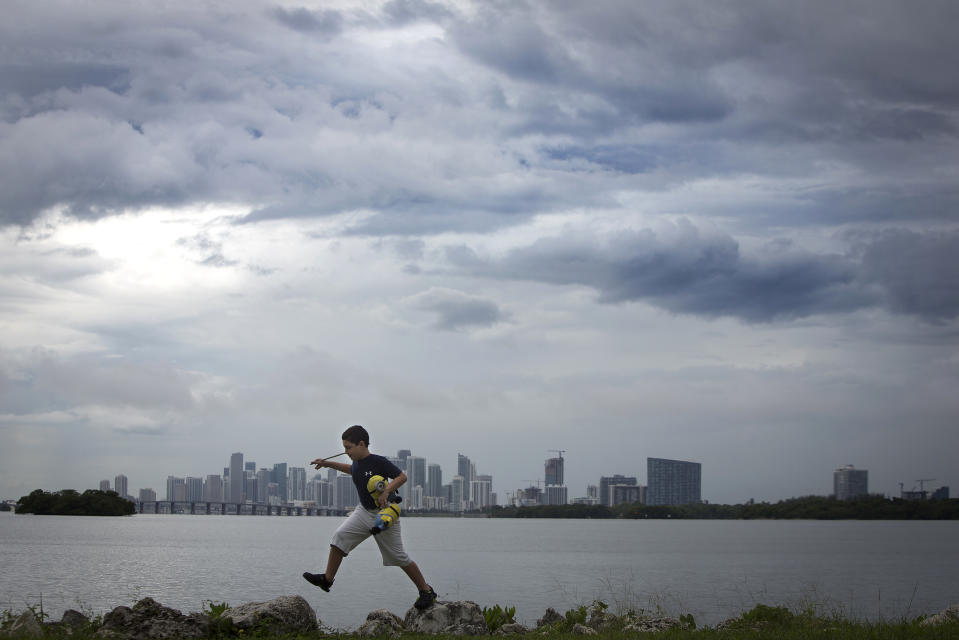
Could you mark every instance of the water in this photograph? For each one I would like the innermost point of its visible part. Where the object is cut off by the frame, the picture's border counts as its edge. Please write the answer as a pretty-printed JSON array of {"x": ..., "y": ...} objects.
[{"x": 712, "y": 569}]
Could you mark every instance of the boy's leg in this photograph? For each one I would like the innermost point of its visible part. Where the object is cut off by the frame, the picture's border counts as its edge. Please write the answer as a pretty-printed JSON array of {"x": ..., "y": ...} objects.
[
  {"x": 413, "y": 571},
  {"x": 333, "y": 562}
]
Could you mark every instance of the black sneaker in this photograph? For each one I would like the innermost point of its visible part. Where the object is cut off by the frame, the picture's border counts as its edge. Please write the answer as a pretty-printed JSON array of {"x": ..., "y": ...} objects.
[
  {"x": 319, "y": 580},
  {"x": 426, "y": 599}
]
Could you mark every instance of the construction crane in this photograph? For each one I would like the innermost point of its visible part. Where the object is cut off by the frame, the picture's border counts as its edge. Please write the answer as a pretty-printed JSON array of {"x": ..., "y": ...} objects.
[
  {"x": 559, "y": 451},
  {"x": 923, "y": 480}
]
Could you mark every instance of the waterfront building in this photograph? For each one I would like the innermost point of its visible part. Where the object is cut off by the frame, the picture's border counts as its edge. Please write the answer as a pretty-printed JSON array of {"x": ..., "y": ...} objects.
[
  {"x": 104, "y": 485},
  {"x": 458, "y": 497},
  {"x": 263, "y": 478},
  {"x": 148, "y": 495},
  {"x": 481, "y": 490},
  {"x": 556, "y": 494},
  {"x": 465, "y": 469},
  {"x": 849, "y": 482},
  {"x": 434, "y": 481},
  {"x": 346, "y": 496},
  {"x": 280, "y": 477},
  {"x": 175, "y": 489},
  {"x": 673, "y": 481},
  {"x": 236, "y": 478},
  {"x": 213, "y": 488},
  {"x": 942, "y": 493},
  {"x": 120, "y": 485},
  {"x": 415, "y": 476},
  {"x": 297, "y": 483},
  {"x": 605, "y": 482},
  {"x": 402, "y": 455},
  {"x": 194, "y": 489},
  {"x": 626, "y": 494},
  {"x": 554, "y": 471}
]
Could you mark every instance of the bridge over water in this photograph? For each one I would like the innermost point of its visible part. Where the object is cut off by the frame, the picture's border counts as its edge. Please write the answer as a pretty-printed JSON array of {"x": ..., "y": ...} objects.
[{"x": 231, "y": 509}]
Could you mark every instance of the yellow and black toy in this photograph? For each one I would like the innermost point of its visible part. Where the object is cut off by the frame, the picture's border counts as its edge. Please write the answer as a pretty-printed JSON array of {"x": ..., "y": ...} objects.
[{"x": 388, "y": 514}]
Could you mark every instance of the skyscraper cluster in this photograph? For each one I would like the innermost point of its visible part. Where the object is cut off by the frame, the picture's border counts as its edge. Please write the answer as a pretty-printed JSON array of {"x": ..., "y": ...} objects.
[{"x": 243, "y": 483}]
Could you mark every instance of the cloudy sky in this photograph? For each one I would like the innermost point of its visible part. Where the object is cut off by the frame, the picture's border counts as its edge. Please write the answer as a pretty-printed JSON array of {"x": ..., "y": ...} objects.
[{"x": 723, "y": 232}]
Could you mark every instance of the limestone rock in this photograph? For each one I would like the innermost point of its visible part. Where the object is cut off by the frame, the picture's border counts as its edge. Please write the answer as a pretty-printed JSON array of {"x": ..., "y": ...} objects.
[
  {"x": 948, "y": 614},
  {"x": 652, "y": 624},
  {"x": 582, "y": 630},
  {"x": 381, "y": 623},
  {"x": 462, "y": 617},
  {"x": 286, "y": 614},
  {"x": 149, "y": 620},
  {"x": 600, "y": 619},
  {"x": 26, "y": 626},
  {"x": 73, "y": 619},
  {"x": 510, "y": 628},
  {"x": 549, "y": 618}
]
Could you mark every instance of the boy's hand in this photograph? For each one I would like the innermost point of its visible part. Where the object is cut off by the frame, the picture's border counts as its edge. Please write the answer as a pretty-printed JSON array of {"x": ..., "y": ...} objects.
[
  {"x": 319, "y": 463},
  {"x": 383, "y": 500}
]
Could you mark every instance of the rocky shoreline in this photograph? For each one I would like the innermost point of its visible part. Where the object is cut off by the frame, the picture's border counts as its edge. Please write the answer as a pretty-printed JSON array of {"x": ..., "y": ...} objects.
[{"x": 292, "y": 615}]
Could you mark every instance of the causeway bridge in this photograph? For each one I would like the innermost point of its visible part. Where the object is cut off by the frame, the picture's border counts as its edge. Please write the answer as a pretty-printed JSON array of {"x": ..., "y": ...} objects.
[{"x": 232, "y": 509}]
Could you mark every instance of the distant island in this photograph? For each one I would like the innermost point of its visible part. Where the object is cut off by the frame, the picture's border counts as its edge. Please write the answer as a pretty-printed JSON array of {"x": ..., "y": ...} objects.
[
  {"x": 805, "y": 508},
  {"x": 69, "y": 502}
]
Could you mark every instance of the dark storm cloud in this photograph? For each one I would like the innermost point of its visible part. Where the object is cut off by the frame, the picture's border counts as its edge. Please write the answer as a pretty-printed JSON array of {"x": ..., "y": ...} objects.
[
  {"x": 516, "y": 109},
  {"x": 456, "y": 310},
  {"x": 686, "y": 271}
]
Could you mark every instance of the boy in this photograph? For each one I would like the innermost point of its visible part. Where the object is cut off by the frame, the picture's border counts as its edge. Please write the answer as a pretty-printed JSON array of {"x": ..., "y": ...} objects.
[{"x": 357, "y": 528}]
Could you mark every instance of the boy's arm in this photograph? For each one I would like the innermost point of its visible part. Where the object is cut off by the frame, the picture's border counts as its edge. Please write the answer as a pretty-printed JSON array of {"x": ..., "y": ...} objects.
[{"x": 339, "y": 466}]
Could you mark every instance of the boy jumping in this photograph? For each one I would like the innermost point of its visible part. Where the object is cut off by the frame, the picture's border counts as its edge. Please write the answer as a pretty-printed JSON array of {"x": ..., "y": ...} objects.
[{"x": 358, "y": 527}]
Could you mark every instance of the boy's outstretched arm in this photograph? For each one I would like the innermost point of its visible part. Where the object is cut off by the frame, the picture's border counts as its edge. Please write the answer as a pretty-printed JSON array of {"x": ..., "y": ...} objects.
[{"x": 319, "y": 463}]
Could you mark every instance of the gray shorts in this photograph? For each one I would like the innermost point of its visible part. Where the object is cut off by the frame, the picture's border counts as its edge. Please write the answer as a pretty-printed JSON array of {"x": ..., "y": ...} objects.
[{"x": 356, "y": 528}]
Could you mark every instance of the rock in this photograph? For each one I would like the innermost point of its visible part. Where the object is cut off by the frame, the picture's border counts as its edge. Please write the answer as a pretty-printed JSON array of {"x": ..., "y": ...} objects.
[
  {"x": 652, "y": 624},
  {"x": 949, "y": 614},
  {"x": 549, "y": 618},
  {"x": 73, "y": 619},
  {"x": 381, "y": 623},
  {"x": 582, "y": 630},
  {"x": 286, "y": 614},
  {"x": 510, "y": 628},
  {"x": 149, "y": 620},
  {"x": 454, "y": 618},
  {"x": 600, "y": 619},
  {"x": 25, "y": 626}
]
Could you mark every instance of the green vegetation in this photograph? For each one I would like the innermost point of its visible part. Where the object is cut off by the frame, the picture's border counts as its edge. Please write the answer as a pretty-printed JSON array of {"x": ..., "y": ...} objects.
[
  {"x": 497, "y": 616},
  {"x": 806, "y": 508},
  {"x": 71, "y": 503}
]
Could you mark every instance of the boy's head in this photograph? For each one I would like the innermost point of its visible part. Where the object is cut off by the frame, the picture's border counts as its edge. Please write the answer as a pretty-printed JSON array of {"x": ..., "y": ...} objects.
[{"x": 356, "y": 442}]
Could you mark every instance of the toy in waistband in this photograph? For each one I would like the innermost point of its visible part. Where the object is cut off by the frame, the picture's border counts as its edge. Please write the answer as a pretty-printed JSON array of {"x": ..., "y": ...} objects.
[{"x": 388, "y": 514}]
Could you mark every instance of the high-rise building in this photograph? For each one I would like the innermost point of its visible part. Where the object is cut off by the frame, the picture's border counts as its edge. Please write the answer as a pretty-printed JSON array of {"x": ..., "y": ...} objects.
[
  {"x": 120, "y": 485},
  {"x": 262, "y": 484},
  {"x": 297, "y": 483},
  {"x": 104, "y": 485},
  {"x": 673, "y": 481},
  {"x": 434, "y": 481},
  {"x": 626, "y": 494},
  {"x": 194, "y": 489},
  {"x": 605, "y": 482},
  {"x": 464, "y": 468},
  {"x": 281, "y": 480},
  {"x": 402, "y": 455},
  {"x": 175, "y": 489},
  {"x": 458, "y": 491},
  {"x": 554, "y": 471},
  {"x": 148, "y": 495},
  {"x": 481, "y": 492},
  {"x": 236, "y": 478},
  {"x": 346, "y": 495},
  {"x": 849, "y": 482},
  {"x": 416, "y": 472},
  {"x": 249, "y": 465},
  {"x": 213, "y": 488},
  {"x": 556, "y": 494}
]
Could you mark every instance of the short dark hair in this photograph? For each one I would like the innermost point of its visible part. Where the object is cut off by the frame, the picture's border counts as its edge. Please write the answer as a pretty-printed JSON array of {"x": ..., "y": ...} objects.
[{"x": 356, "y": 434}]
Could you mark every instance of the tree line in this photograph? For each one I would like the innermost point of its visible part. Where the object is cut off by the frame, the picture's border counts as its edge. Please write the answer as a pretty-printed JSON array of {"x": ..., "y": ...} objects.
[
  {"x": 804, "y": 508},
  {"x": 69, "y": 502}
]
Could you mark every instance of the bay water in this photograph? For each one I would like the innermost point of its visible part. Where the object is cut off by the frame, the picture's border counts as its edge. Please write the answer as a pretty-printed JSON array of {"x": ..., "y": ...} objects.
[{"x": 713, "y": 570}]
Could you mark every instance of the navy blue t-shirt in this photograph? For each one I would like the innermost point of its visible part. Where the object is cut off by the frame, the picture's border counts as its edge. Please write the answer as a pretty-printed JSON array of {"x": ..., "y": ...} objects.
[{"x": 363, "y": 470}]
